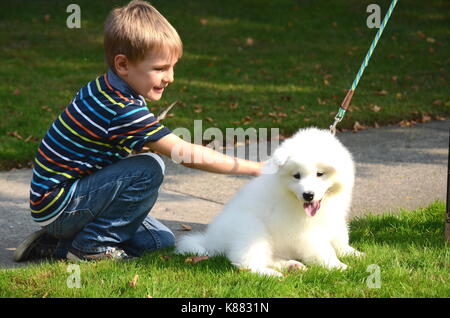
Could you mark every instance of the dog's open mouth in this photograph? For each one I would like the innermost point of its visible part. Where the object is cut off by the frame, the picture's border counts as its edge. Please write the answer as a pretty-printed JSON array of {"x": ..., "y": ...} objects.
[{"x": 311, "y": 208}]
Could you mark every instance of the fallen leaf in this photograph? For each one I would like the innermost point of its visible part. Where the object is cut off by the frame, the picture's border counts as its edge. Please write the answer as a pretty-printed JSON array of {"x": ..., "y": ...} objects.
[
  {"x": 16, "y": 92},
  {"x": 447, "y": 103},
  {"x": 375, "y": 108},
  {"x": 14, "y": 134},
  {"x": 358, "y": 127},
  {"x": 430, "y": 40},
  {"x": 203, "y": 21},
  {"x": 407, "y": 123},
  {"x": 320, "y": 101},
  {"x": 398, "y": 95},
  {"x": 425, "y": 118},
  {"x": 47, "y": 17},
  {"x": 440, "y": 118},
  {"x": 233, "y": 105},
  {"x": 133, "y": 283},
  {"x": 383, "y": 92},
  {"x": 195, "y": 259},
  {"x": 249, "y": 41},
  {"x": 375, "y": 125},
  {"x": 421, "y": 35},
  {"x": 186, "y": 227},
  {"x": 247, "y": 120},
  {"x": 165, "y": 257},
  {"x": 394, "y": 78},
  {"x": 438, "y": 102}
]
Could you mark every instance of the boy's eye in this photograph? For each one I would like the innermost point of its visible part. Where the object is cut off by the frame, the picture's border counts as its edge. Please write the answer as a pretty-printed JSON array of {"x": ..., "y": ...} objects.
[
  {"x": 320, "y": 173},
  {"x": 297, "y": 175}
]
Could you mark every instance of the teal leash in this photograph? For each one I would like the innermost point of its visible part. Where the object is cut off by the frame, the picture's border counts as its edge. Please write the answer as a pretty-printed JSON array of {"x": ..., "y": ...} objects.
[{"x": 346, "y": 102}]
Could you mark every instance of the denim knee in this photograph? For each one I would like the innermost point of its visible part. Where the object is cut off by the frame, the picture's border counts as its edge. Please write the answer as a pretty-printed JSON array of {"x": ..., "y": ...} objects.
[
  {"x": 167, "y": 239},
  {"x": 151, "y": 165}
]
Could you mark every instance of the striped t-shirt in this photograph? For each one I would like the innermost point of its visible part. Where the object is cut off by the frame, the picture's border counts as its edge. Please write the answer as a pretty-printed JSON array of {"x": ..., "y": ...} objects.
[{"x": 103, "y": 124}]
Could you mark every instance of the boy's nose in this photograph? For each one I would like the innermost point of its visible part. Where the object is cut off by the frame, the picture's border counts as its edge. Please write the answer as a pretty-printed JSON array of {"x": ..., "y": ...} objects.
[{"x": 168, "y": 78}]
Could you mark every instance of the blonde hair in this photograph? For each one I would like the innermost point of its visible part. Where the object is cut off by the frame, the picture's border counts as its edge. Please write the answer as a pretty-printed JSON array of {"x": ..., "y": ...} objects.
[{"x": 137, "y": 30}]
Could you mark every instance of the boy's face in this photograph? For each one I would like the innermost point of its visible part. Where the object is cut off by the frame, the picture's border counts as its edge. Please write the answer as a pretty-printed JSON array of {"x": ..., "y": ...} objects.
[{"x": 150, "y": 76}]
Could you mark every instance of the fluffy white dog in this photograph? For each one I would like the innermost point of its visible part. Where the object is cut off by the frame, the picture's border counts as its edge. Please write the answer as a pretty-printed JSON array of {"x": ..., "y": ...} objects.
[{"x": 295, "y": 211}]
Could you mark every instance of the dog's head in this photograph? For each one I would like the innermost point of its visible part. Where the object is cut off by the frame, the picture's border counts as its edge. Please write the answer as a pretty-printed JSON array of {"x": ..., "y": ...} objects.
[{"x": 312, "y": 165}]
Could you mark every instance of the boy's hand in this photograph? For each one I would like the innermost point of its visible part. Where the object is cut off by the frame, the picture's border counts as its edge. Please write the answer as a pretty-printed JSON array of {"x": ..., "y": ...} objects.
[{"x": 203, "y": 158}]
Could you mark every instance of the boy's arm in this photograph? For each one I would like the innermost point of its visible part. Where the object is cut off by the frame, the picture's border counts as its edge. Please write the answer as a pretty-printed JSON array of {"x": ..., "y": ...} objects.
[{"x": 203, "y": 158}]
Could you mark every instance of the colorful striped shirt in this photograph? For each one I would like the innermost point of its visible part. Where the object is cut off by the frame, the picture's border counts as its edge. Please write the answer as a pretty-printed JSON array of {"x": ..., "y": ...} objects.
[{"x": 103, "y": 124}]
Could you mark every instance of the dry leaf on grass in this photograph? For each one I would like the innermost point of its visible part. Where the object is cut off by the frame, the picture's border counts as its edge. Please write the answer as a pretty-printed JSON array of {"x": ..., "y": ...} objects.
[
  {"x": 14, "y": 134},
  {"x": 383, "y": 92},
  {"x": 195, "y": 259},
  {"x": 133, "y": 283},
  {"x": 375, "y": 108}
]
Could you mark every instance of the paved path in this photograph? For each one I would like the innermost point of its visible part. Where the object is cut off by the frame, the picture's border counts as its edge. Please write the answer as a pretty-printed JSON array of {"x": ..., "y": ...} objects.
[{"x": 396, "y": 168}]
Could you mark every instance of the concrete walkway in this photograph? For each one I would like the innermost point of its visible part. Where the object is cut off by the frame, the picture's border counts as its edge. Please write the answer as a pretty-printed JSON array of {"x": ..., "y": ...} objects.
[{"x": 396, "y": 168}]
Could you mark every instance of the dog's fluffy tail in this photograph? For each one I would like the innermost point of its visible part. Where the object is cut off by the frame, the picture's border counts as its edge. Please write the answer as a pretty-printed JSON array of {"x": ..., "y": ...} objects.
[{"x": 192, "y": 244}]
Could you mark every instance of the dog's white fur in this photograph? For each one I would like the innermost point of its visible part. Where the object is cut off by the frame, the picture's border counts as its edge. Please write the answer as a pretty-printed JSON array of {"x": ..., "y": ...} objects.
[{"x": 265, "y": 227}]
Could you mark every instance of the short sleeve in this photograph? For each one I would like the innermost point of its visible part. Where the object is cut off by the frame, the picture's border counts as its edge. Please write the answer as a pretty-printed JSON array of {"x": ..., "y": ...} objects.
[{"x": 134, "y": 125}]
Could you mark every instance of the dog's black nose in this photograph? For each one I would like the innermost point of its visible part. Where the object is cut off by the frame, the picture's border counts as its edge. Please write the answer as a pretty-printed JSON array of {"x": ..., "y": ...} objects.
[{"x": 308, "y": 196}]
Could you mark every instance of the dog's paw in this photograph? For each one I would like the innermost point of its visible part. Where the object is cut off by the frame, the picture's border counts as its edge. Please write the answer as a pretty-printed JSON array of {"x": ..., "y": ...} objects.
[
  {"x": 266, "y": 272},
  {"x": 341, "y": 266},
  {"x": 358, "y": 253},
  {"x": 350, "y": 251},
  {"x": 293, "y": 265},
  {"x": 337, "y": 265}
]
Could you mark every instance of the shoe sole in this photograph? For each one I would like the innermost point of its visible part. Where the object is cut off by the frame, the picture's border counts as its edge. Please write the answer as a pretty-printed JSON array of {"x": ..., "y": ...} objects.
[
  {"x": 72, "y": 257},
  {"x": 23, "y": 250}
]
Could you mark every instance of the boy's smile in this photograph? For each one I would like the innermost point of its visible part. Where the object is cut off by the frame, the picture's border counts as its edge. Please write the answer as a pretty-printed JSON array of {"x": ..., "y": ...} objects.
[{"x": 148, "y": 77}]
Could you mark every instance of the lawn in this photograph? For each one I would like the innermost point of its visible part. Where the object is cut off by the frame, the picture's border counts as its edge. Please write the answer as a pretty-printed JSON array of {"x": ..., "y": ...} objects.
[
  {"x": 407, "y": 249},
  {"x": 247, "y": 63}
]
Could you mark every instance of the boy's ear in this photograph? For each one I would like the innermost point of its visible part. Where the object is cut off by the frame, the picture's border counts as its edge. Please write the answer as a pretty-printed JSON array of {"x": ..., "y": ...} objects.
[{"x": 121, "y": 64}]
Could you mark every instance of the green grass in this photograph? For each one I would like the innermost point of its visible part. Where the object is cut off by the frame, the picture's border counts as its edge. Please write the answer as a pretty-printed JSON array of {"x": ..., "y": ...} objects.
[
  {"x": 255, "y": 63},
  {"x": 408, "y": 247}
]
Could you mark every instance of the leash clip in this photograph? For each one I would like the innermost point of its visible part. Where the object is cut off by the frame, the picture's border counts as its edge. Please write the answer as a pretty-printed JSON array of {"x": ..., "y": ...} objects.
[{"x": 337, "y": 119}]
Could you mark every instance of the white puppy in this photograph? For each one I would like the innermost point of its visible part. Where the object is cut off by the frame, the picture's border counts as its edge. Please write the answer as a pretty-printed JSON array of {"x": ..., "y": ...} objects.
[{"x": 295, "y": 211}]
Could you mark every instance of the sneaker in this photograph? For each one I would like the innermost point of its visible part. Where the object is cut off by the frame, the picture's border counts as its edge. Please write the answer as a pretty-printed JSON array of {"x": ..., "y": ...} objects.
[
  {"x": 113, "y": 253},
  {"x": 37, "y": 245}
]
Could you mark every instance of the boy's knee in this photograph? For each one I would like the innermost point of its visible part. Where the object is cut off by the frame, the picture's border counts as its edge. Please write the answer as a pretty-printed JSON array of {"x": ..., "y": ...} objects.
[
  {"x": 166, "y": 238},
  {"x": 151, "y": 165}
]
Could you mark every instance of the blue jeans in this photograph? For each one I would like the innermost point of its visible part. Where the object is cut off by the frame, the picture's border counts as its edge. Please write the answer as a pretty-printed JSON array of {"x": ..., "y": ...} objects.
[{"x": 109, "y": 209}]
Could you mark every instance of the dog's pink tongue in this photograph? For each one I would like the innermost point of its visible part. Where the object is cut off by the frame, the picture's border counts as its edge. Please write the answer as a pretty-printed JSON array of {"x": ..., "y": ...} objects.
[{"x": 311, "y": 207}]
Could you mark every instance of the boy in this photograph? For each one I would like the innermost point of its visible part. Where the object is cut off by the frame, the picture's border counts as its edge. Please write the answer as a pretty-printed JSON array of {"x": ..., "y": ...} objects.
[{"x": 89, "y": 195}]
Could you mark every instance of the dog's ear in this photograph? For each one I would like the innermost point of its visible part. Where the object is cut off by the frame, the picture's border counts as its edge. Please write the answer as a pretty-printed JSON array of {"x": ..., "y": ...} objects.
[
  {"x": 280, "y": 156},
  {"x": 278, "y": 159}
]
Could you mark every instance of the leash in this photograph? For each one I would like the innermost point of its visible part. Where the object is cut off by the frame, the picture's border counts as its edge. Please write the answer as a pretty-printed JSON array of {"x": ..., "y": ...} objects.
[{"x": 346, "y": 102}]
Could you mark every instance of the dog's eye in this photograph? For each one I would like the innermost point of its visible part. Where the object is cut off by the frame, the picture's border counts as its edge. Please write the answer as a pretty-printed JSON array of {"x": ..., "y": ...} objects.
[
  {"x": 319, "y": 174},
  {"x": 297, "y": 175}
]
